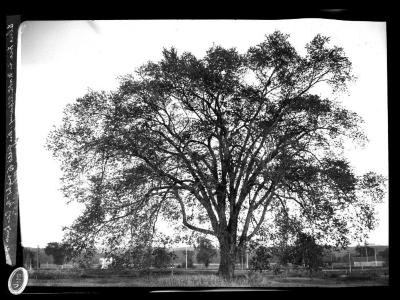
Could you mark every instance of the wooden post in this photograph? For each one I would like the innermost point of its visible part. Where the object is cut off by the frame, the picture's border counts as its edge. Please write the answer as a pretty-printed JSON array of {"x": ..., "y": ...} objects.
[{"x": 37, "y": 258}]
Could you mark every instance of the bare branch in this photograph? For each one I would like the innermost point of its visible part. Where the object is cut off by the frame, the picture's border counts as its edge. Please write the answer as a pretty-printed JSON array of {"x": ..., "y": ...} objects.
[{"x": 184, "y": 218}]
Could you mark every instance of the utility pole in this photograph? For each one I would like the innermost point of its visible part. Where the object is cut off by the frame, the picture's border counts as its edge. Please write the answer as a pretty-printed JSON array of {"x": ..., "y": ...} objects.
[
  {"x": 186, "y": 257},
  {"x": 349, "y": 262},
  {"x": 37, "y": 258},
  {"x": 241, "y": 259},
  {"x": 247, "y": 259},
  {"x": 366, "y": 252},
  {"x": 376, "y": 263}
]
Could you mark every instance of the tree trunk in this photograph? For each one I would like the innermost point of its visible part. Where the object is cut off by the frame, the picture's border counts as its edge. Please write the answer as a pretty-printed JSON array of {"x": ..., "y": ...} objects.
[{"x": 227, "y": 258}]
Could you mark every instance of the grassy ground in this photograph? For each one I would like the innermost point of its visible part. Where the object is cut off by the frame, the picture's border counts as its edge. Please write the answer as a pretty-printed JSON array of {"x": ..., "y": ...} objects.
[{"x": 193, "y": 278}]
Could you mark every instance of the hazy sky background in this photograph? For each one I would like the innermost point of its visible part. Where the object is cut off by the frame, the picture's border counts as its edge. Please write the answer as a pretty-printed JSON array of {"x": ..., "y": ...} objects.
[{"x": 59, "y": 60}]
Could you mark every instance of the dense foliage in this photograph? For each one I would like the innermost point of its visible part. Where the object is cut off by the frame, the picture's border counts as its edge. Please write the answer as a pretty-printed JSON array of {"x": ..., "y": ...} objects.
[
  {"x": 308, "y": 253},
  {"x": 261, "y": 259},
  {"x": 58, "y": 251},
  {"x": 364, "y": 251},
  {"x": 162, "y": 258},
  {"x": 206, "y": 251}
]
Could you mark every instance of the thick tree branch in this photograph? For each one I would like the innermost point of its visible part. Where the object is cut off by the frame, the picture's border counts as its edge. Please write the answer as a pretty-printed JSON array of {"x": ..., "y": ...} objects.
[{"x": 184, "y": 218}]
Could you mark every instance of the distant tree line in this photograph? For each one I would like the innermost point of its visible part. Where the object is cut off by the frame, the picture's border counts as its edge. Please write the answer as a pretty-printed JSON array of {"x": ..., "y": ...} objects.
[
  {"x": 36, "y": 257},
  {"x": 305, "y": 252}
]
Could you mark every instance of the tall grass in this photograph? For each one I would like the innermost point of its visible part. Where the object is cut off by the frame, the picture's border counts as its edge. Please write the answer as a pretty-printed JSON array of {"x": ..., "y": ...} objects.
[
  {"x": 193, "y": 281},
  {"x": 158, "y": 279},
  {"x": 206, "y": 281}
]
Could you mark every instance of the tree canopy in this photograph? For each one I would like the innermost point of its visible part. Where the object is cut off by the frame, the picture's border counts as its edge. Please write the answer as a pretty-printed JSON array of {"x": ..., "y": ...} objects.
[
  {"x": 261, "y": 259},
  {"x": 162, "y": 258},
  {"x": 206, "y": 251},
  {"x": 221, "y": 143},
  {"x": 364, "y": 251},
  {"x": 58, "y": 251},
  {"x": 307, "y": 252}
]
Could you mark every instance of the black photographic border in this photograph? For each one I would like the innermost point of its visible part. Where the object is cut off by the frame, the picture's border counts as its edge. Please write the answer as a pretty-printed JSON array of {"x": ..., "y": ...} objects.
[{"x": 359, "y": 14}]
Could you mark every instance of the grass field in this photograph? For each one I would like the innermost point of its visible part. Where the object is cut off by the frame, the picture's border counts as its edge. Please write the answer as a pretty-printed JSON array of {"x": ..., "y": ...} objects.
[{"x": 201, "y": 278}]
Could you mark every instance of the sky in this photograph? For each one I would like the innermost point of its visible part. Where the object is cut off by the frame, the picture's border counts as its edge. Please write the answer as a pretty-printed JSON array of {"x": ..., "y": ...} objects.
[{"x": 58, "y": 61}]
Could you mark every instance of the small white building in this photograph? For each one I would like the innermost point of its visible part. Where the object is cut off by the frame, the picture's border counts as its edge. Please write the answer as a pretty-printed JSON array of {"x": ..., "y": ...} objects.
[
  {"x": 373, "y": 263},
  {"x": 105, "y": 262}
]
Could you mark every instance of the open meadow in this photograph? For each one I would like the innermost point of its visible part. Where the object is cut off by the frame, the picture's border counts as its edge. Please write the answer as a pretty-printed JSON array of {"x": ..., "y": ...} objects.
[{"x": 205, "y": 278}]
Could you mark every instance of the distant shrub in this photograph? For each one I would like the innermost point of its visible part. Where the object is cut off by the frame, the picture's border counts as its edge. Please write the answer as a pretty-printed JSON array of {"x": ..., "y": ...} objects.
[
  {"x": 260, "y": 260},
  {"x": 206, "y": 251},
  {"x": 332, "y": 275},
  {"x": 277, "y": 269},
  {"x": 162, "y": 258},
  {"x": 255, "y": 278},
  {"x": 370, "y": 275}
]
